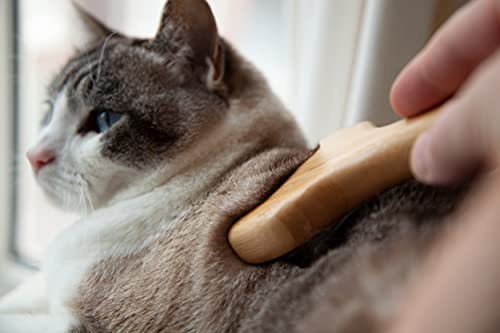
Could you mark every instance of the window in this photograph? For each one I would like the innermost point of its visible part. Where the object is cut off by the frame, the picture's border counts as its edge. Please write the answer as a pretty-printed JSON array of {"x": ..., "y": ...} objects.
[
  {"x": 47, "y": 37},
  {"x": 6, "y": 166},
  {"x": 41, "y": 52}
]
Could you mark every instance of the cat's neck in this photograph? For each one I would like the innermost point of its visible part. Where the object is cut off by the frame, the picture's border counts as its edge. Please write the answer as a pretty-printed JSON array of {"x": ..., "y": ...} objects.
[{"x": 192, "y": 175}]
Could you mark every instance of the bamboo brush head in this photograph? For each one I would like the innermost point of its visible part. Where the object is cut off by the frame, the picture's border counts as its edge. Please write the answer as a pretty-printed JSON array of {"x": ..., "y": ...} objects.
[{"x": 349, "y": 167}]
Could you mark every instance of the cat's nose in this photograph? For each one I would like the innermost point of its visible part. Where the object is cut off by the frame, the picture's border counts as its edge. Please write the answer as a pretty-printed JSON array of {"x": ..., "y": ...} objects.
[{"x": 40, "y": 157}]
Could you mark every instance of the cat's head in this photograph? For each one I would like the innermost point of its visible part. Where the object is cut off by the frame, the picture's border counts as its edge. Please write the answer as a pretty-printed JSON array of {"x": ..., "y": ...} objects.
[{"x": 125, "y": 107}]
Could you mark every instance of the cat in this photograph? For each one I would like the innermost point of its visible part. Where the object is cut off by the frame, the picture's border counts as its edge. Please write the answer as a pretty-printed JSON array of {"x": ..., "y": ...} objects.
[{"x": 162, "y": 144}]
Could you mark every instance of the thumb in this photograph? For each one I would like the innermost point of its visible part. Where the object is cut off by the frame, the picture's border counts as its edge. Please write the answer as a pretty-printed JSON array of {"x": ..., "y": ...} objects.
[
  {"x": 447, "y": 153},
  {"x": 466, "y": 136}
]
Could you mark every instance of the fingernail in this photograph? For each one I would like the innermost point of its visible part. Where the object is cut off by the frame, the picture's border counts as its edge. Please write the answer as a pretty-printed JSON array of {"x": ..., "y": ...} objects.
[{"x": 420, "y": 159}]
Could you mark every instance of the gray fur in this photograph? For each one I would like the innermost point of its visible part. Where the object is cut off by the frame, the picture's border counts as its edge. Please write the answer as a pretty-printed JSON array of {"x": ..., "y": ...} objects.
[
  {"x": 158, "y": 84},
  {"x": 191, "y": 281}
]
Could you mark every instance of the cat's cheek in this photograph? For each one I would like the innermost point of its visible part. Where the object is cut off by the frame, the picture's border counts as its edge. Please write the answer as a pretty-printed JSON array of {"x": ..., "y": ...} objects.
[
  {"x": 85, "y": 149},
  {"x": 103, "y": 179},
  {"x": 85, "y": 156}
]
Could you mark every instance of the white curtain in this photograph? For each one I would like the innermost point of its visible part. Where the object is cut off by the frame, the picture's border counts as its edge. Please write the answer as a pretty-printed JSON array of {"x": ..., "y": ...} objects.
[{"x": 346, "y": 53}]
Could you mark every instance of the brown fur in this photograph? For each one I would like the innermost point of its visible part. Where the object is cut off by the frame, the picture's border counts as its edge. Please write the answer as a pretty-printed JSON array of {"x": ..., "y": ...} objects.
[{"x": 191, "y": 281}]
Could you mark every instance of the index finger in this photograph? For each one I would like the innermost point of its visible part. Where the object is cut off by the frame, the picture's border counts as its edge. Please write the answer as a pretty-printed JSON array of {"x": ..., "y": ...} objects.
[{"x": 454, "y": 52}]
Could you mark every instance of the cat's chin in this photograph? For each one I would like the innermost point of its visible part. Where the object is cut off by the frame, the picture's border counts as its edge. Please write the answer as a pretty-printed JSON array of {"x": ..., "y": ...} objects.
[
  {"x": 67, "y": 203},
  {"x": 62, "y": 204},
  {"x": 68, "y": 195}
]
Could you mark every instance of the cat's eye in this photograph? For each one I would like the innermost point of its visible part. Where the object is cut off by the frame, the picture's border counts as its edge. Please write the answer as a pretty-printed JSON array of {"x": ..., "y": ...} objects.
[{"x": 106, "y": 119}]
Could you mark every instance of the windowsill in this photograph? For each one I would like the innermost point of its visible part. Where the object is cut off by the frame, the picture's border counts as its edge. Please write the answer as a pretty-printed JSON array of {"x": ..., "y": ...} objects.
[{"x": 12, "y": 274}]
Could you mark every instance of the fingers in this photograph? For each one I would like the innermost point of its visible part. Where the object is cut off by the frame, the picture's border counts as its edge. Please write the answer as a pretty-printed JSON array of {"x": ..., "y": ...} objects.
[
  {"x": 451, "y": 56},
  {"x": 447, "y": 153},
  {"x": 466, "y": 136}
]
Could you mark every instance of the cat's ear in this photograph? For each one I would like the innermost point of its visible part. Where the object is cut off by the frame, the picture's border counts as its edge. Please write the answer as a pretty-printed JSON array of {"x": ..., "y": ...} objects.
[
  {"x": 95, "y": 30},
  {"x": 188, "y": 29}
]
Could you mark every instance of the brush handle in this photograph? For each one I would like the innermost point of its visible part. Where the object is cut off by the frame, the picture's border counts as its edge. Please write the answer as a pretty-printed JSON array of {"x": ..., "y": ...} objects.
[{"x": 349, "y": 167}]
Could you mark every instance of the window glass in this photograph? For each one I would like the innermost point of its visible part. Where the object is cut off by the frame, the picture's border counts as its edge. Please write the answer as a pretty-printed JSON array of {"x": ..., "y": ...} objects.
[{"x": 48, "y": 36}]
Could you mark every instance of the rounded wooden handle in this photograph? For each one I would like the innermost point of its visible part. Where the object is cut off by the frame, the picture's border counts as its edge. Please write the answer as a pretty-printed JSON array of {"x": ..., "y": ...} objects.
[{"x": 350, "y": 166}]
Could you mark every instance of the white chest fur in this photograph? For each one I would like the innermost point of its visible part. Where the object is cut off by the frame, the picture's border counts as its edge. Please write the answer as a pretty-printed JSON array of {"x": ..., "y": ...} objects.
[
  {"x": 40, "y": 305},
  {"x": 122, "y": 229}
]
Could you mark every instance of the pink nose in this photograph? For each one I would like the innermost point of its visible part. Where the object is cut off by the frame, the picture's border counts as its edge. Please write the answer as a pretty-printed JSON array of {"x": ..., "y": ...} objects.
[{"x": 39, "y": 157}]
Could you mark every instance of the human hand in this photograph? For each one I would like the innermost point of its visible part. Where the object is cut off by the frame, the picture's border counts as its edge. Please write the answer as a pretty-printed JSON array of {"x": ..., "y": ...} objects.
[
  {"x": 458, "y": 290},
  {"x": 462, "y": 57}
]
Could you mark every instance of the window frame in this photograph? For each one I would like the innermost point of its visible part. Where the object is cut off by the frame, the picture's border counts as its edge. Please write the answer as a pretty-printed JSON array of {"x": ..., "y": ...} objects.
[
  {"x": 15, "y": 79},
  {"x": 12, "y": 268}
]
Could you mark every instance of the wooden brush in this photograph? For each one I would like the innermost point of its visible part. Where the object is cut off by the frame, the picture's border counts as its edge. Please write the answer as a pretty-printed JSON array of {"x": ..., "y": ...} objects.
[{"x": 349, "y": 167}]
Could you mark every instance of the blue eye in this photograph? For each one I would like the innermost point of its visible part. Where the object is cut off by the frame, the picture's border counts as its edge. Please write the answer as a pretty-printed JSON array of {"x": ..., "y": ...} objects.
[{"x": 106, "y": 119}]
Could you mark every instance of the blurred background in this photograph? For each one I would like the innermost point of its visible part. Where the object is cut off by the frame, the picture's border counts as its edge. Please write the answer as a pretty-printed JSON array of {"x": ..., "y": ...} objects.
[{"x": 331, "y": 61}]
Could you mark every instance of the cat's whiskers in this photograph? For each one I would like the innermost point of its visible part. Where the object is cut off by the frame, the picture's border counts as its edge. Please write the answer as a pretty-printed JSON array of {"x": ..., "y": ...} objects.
[
  {"x": 68, "y": 181},
  {"x": 81, "y": 204},
  {"x": 54, "y": 184},
  {"x": 57, "y": 191},
  {"x": 87, "y": 200},
  {"x": 63, "y": 188},
  {"x": 82, "y": 201}
]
